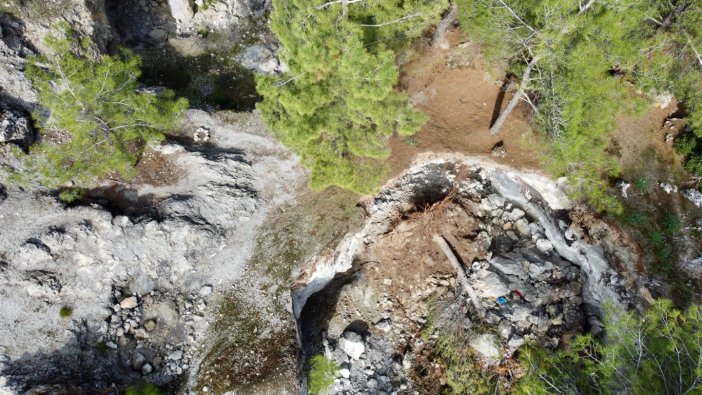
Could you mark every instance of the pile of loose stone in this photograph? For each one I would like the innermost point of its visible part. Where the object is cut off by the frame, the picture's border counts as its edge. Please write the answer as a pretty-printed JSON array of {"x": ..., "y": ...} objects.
[
  {"x": 145, "y": 345},
  {"x": 528, "y": 291}
]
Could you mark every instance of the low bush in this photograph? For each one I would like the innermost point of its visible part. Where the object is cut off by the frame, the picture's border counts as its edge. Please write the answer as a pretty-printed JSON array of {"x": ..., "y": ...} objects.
[
  {"x": 65, "y": 312},
  {"x": 144, "y": 389},
  {"x": 321, "y": 374}
]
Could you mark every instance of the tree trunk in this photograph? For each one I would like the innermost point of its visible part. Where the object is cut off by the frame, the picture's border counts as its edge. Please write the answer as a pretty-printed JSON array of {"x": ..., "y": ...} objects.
[
  {"x": 495, "y": 128},
  {"x": 460, "y": 274},
  {"x": 448, "y": 20}
]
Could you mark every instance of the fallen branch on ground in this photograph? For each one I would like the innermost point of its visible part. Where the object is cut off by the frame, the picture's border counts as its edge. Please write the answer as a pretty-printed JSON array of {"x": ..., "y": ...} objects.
[{"x": 460, "y": 274}]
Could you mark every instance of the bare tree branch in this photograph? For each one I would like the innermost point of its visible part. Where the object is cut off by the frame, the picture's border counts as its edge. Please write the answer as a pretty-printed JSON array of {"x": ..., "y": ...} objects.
[
  {"x": 344, "y": 2},
  {"x": 404, "y": 18},
  {"x": 460, "y": 273},
  {"x": 495, "y": 128},
  {"x": 584, "y": 8}
]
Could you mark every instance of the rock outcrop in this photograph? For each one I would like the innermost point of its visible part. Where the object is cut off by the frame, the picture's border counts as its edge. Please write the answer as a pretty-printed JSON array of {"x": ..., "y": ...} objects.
[
  {"x": 137, "y": 284},
  {"x": 538, "y": 270}
]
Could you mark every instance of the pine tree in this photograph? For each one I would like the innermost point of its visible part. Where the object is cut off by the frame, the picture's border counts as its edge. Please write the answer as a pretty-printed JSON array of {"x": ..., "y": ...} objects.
[
  {"x": 337, "y": 106},
  {"x": 95, "y": 122},
  {"x": 585, "y": 56},
  {"x": 658, "y": 352}
]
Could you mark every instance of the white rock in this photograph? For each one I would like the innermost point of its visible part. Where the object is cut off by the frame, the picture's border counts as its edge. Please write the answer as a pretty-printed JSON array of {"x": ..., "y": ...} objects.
[
  {"x": 345, "y": 373},
  {"x": 487, "y": 346},
  {"x": 181, "y": 10},
  {"x": 694, "y": 196},
  {"x": 129, "y": 303},
  {"x": 111, "y": 345},
  {"x": 668, "y": 188},
  {"x": 523, "y": 227},
  {"x": 491, "y": 286},
  {"x": 515, "y": 341},
  {"x": 352, "y": 348},
  {"x": 623, "y": 188},
  {"x": 544, "y": 246}
]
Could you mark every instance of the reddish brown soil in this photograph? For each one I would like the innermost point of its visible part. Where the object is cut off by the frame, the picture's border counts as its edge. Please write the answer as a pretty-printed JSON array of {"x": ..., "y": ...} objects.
[
  {"x": 459, "y": 95},
  {"x": 157, "y": 170}
]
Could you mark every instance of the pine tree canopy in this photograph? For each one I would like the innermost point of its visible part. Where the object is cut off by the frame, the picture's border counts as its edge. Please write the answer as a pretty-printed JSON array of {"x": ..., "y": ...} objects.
[
  {"x": 591, "y": 57},
  {"x": 337, "y": 105},
  {"x": 96, "y": 122}
]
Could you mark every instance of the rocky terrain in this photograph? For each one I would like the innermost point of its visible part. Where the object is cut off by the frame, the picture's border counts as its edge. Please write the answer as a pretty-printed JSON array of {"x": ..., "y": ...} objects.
[
  {"x": 138, "y": 283},
  {"x": 217, "y": 271},
  {"x": 531, "y": 268}
]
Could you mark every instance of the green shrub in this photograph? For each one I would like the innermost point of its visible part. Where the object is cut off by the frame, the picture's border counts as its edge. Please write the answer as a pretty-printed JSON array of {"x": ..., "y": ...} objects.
[
  {"x": 412, "y": 141},
  {"x": 693, "y": 165},
  {"x": 144, "y": 389},
  {"x": 636, "y": 218},
  {"x": 685, "y": 144},
  {"x": 101, "y": 348},
  {"x": 672, "y": 225},
  {"x": 70, "y": 195},
  {"x": 658, "y": 352},
  {"x": 642, "y": 184},
  {"x": 97, "y": 122},
  {"x": 321, "y": 375},
  {"x": 65, "y": 312}
]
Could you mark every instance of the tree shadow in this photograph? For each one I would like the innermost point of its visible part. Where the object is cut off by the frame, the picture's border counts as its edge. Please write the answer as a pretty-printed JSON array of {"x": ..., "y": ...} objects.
[
  {"x": 497, "y": 109},
  {"x": 79, "y": 367}
]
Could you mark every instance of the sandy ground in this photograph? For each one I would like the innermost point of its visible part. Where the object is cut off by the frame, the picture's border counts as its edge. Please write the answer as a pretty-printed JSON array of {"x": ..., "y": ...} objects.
[{"x": 459, "y": 95}]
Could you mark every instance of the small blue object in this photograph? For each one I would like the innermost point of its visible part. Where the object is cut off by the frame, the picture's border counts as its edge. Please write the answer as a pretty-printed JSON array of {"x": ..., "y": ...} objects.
[{"x": 502, "y": 300}]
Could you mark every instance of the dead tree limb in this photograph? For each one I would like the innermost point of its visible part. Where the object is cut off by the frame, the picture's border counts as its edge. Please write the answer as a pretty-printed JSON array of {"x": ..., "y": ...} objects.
[
  {"x": 495, "y": 128},
  {"x": 445, "y": 24},
  {"x": 587, "y": 6},
  {"x": 460, "y": 273}
]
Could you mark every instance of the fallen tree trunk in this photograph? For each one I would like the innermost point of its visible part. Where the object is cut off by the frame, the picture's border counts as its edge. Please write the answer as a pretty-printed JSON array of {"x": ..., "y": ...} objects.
[
  {"x": 439, "y": 38},
  {"x": 460, "y": 273},
  {"x": 495, "y": 128}
]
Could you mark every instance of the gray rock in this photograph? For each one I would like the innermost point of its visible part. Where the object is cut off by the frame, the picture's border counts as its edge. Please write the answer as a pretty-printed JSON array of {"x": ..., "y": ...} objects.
[
  {"x": 491, "y": 286},
  {"x": 149, "y": 325},
  {"x": 146, "y": 369},
  {"x": 515, "y": 214},
  {"x": 14, "y": 127},
  {"x": 205, "y": 291},
  {"x": 138, "y": 361},
  {"x": 111, "y": 345},
  {"x": 499, "y": 151},
  {"x": 259, "y": 58},
  {"x": 176, "y": 355}
]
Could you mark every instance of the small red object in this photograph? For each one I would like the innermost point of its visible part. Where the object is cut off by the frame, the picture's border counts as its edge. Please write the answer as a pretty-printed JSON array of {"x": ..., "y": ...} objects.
[{"x": 521, "y": 295}]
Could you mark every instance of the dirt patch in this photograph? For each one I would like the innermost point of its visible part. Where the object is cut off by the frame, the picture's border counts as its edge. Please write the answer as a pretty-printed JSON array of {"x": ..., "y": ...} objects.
[
  {"x": 157, "y": 169},
  {"x": 460, "y": 96},
  {"x": 248, "y": 356}
]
